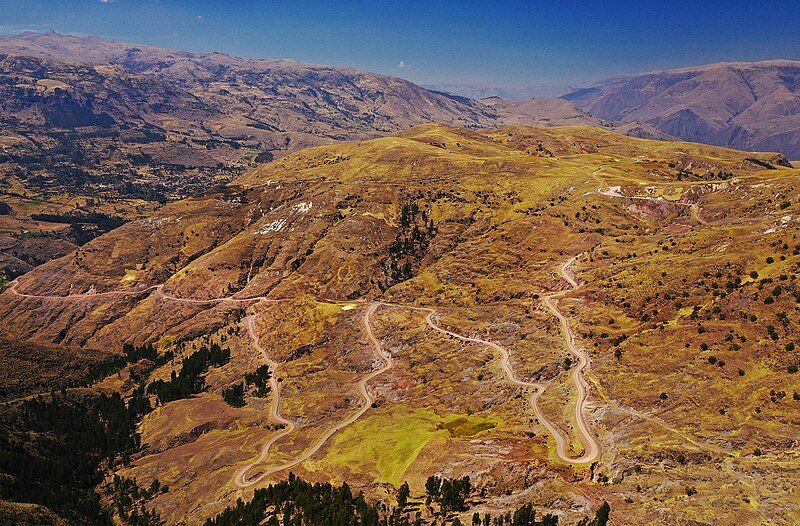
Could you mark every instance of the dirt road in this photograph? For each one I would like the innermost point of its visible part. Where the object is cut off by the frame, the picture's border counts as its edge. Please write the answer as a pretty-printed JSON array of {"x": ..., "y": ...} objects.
[
  {"x": 241, "y": 480},
  {"x": 592, "y": 449}
]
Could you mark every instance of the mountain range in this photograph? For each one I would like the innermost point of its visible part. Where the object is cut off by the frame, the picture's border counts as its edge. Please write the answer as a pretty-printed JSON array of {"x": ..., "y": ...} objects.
[
  {"x": 752, "y": 106},
  {"x": 244, "y": 291},
  {"x": 95, "y": 132}
]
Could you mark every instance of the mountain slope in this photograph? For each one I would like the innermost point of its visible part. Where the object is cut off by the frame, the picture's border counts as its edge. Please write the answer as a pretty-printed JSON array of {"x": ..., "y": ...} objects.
[
  {"x": 750, "y": 106},
  {"x": 94, "y": 127},
  {"x": 422, "y": 268},
  {"x": 539, "y": 111}
]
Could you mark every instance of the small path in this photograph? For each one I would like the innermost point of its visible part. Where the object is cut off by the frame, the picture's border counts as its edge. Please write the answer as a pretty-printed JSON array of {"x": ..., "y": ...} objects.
[
  {"x": 241, "y": 480},
  {"x": 592, "y": 448}
]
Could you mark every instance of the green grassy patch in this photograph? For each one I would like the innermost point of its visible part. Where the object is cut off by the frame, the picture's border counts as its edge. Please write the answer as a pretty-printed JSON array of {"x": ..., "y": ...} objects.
[
  {"x": 467, "y": 426},
  {"x": 388, "y": 443}
]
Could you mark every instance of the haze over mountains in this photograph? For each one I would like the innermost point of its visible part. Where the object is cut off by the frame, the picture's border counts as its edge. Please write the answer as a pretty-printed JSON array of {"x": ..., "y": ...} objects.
[
  {"x": 749, "y": 106},
  {"x": 94, "y": 132},
  {"x": 91, "y": 129}
]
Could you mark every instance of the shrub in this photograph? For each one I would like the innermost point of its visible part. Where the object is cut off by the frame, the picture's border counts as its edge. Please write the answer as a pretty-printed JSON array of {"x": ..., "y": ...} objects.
[{"x": 234, "y": 395}]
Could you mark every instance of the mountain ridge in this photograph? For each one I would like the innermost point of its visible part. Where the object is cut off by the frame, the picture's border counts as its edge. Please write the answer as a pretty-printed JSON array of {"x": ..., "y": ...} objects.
[{"x": 745, "y": 105}]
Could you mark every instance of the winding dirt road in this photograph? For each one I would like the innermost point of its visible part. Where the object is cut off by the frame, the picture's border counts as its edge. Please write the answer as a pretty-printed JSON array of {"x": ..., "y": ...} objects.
[
  {"x": 592, "y": 449},
  {"x": 591, "y": 445},
  {"x": 241, "y": 479}
]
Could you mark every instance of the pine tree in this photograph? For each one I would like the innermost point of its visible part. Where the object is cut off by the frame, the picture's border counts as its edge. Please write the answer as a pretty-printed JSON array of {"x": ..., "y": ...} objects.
[{"x": 402, "y": 495}]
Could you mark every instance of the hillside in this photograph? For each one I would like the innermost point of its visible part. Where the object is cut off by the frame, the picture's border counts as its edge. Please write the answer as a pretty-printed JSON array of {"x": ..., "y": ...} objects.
[
  {"x": 751, "y": 106},
  {"x": 539, "y": 111},
  {"x": 94, "y": 127},
  {"x": 538, "y": 308}
]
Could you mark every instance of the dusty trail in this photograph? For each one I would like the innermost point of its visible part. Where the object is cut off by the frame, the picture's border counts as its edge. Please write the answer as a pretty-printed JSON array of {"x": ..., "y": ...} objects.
[
  {"x": 591, "y": 445},
  {"x": 80, "y": 296},
  {"x": 158, "y": 288},
  {"x": 241, "y": 480},
  {"x": 274, "y": 408},
  {"x": 592, "y": 449}
]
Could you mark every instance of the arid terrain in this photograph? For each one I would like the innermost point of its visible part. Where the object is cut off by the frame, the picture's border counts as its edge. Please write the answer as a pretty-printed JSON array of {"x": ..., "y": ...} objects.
[
  {"x": 93, "y": 130},
  {"x": 746, "y": 105},
  {"x": 567, "y": 315}
]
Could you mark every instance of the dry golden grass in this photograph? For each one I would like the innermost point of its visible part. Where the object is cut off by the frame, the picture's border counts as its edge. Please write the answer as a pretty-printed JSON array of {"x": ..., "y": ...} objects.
[{"x": 313, "y": 230}]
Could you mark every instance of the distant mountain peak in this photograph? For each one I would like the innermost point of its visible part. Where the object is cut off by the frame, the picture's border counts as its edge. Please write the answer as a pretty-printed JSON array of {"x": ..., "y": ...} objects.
[{"x": 746, "y": 105}]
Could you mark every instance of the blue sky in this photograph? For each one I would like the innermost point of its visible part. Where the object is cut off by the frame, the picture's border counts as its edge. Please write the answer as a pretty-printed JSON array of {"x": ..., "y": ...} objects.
[{"x": 491, "y": 43}]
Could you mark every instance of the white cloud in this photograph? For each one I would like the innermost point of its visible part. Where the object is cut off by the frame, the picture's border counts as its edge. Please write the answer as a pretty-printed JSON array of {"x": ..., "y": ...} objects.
[{"x": 403, "y": 64}]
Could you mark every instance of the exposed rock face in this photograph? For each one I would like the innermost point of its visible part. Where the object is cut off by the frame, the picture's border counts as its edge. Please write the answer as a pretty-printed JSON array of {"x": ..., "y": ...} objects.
[
  {"x": 91, "y": 126},
  {"x": 71, "y": 82},
  {"x": 93, "y": 130},
  {"x": 749, "y": 106}
]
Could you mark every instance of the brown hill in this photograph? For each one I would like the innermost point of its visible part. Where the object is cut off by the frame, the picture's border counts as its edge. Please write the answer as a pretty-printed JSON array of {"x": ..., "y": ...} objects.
[
  {"x": 540, "y": 111},
  {"x": 90, "y": 126},
  {"x": 750, "y": 106},
  {"x": 351, "y": 261}
]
